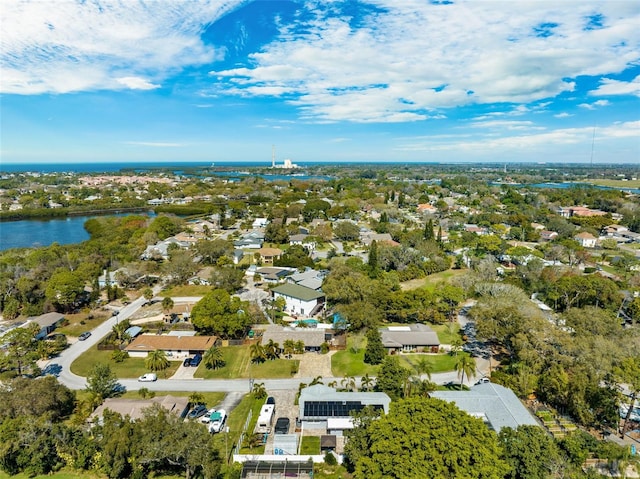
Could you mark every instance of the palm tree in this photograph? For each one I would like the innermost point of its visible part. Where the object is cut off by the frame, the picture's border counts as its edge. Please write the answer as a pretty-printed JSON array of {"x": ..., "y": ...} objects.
[
  {"x": 213, "y": 358},
  {"x": 257, "y": 352},
  {"x": 157, "y": 361},
  {"x": 167, "y": 304},
  {"x": 419, "y": 387},
  {"x": 299, "y": 347},
  {"x": 272, "y": 350},
  {"x": 456, "y": 345},
  {"x": 366, "y": 382},
  {"x": 316, "y": 380},
  {"x": 348, "y": 383},
  {"x": 259, "y": 391},
  {"x": 465, "y": 365},
  {"x": 120, "y": 331},
  {"x": 289, "y": 346},
  {"x": 424, "y": 366}
]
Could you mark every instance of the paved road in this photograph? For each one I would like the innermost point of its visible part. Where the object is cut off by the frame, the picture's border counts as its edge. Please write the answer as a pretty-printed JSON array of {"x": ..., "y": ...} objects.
[{"x": 74, "y": 381}]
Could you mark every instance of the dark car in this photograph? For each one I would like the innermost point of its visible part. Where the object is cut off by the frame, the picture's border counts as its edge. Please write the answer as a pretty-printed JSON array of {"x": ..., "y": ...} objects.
[
  {"x": 195, "y": 361},
  {"x": 282, "y": 426},
  {"x": 197, "y": 411},
  {"x": 187, "y": 362},
  {"x": 84, "y": 336}
]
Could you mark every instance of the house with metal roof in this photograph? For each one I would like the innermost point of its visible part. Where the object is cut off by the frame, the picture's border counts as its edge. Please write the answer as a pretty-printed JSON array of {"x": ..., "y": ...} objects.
[
  {"x": 299, "y": 299},
  {"x": 496, "y": 405},
  {"x": 412, "y": 337},
  {"x": 311, "y": 278},
  {"x": 319, "y": 403}
]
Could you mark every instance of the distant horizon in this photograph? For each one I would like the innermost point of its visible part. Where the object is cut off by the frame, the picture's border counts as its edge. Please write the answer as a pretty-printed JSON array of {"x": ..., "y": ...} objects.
[{"x": 419, "y": 82}]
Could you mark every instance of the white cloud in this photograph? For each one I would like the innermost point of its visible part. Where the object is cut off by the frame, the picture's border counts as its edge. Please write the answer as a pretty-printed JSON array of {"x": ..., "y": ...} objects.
[
  {"x": 137, "y": 83},
  {"x": 413, "y": 57},
  {"x": 561, "y": 137},
  {"x": 60, "y": 47},
  {"x": 615, "y": 87},
  {"x": 595, "y": 104},
  {"x": 564, "y": 114}
]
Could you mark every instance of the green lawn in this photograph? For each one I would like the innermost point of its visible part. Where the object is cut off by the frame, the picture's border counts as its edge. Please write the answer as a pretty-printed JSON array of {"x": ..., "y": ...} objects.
[
  {"x": 238, "y": 365},
  {"x": 431, "y": 281},
  {"x": 129, "y": 368},
  {"x": 185, "y": 290},
  {"x": 242, "y": 411},
  {"x": 350, "y": 362},
  {"x": 57, "y": 475},
  {"x": 440, "y": 362},
  {"x": 310, "y": 445},
  {"x": 446, "y": 332},
  {"x": 79, "y": 323}
]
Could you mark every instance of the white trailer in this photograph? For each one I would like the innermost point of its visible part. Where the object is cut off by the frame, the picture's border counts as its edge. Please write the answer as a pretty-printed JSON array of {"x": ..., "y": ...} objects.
[{"x": 265, "y": 419}]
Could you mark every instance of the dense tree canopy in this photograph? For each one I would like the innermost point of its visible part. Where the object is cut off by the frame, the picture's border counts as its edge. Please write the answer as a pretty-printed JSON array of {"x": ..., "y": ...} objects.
[
  {"x": 426, "y": 438},
  {"x": 221, "y": 314}
]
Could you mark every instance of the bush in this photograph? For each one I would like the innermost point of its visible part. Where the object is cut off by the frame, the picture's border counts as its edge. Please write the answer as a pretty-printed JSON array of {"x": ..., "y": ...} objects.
[
  {"x": 324, "y": 348},
  {"x": 119, "y": 355},
  {"x": 294, "y": 368},
  {"x": 330, "y": 459},
  {"x": 589, "y": 269}
]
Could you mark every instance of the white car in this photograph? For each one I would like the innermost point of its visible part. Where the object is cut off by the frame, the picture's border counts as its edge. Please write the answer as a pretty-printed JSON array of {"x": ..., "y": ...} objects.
[
  {"x": 148, "y": 378},
  {"x": 206, "y": 419},
  {"x": 217, "y": 421}
]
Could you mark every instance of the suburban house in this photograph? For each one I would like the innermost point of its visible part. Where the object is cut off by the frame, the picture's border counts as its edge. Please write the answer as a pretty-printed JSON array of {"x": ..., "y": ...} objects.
[
  {"x": 367, "y": 237},
  {"x": 161, "y": 250},
  {"x": 134, "y": 408},
  {"x": 413, "y": 337},
  {"x": 496, "y": 405},
  {"x": 299, "y": 299},
  {"x": 176, "y": 347},
  {"x": 260, "y": 222},
  {"x": 48, "y": 322},
  {"x": 110, "y": 278},
  {"x": 319, "y": 405},
  {"x": 269, "y": 255},
  {"x": 546, "y": 235},
  {"x": 301, "y": 239},
  {"x": 272, "y": 274},
  {"x": 238, "y": 254},
  {"x": 586, "y": 240},
  {"x": 311, "y": 337},
  {"x": 309, "y": 278},
  {"x": 251, "y": 240},
  {"x": 426, "y": 208},
  {"x": 568, "y": 211}
]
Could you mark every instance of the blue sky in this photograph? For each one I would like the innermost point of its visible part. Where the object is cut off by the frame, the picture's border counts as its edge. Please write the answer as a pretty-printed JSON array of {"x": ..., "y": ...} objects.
[{"x": 380, "y": 80}]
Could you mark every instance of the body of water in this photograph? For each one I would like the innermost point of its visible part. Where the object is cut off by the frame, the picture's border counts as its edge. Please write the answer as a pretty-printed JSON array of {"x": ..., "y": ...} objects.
[
  {"x": 564, "y": 186},
  {"x": 37, "y": 233}
]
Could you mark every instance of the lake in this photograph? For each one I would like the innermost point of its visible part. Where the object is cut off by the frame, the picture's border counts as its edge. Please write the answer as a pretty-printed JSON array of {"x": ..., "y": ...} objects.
[{"x": 36, "y": 232}]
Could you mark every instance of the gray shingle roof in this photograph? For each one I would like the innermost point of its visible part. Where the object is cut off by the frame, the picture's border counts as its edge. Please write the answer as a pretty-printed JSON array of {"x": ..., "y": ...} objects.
[
  {"x": 498, "y": 404},
  {"x": 311, "y": 337}
]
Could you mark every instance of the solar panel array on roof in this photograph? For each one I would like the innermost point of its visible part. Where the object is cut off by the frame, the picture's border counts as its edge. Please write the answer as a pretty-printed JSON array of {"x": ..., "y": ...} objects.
[{"x": 326, "y": 409}]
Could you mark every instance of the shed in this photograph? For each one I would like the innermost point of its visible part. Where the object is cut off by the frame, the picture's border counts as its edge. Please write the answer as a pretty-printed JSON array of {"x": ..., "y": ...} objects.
[{"x": 328, "y": 442}]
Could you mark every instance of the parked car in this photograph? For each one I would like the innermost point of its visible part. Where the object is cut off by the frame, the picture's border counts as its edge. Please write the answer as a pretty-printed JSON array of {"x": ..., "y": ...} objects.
[
  {"x": 483, "y": 380},
  {"x": 84, "y": 335},
  {"x": 218, "y": 419},
  {"x": 198, "y": 411},
  {"x": 148, "y": 378},
  {"x": 195, "y": 361},
  {"x": 282, "y": 425},
  {"x": 187, "y": 362}
]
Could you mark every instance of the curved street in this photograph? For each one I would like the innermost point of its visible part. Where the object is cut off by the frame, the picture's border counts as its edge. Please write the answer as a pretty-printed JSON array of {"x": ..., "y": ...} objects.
[{"x": 68, "y": 356}]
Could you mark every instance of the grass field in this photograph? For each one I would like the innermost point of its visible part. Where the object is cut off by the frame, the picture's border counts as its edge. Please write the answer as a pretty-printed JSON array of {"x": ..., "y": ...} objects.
[
  {"x": 238, "y": 365},
  {"x": 446, "y": 332},
  {"x": 430, "y": 282},
  {"x": 185, "y": 290},
  {"x": 615, "y": 183},
  {"x": 79, "y": 323},
  {"x": 440, "y": 363},
  {"x": 129, "y": 368},
  {"x": 350, "y": 362},
  {"x": 310, "y": 445}
]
